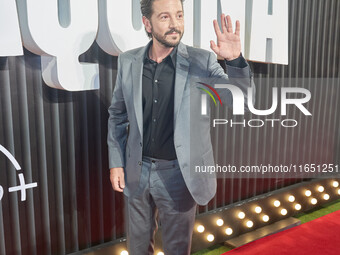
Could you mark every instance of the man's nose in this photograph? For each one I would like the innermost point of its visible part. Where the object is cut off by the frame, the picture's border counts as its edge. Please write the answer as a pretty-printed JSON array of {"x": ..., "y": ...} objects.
[{"x": 173, "y": 23}]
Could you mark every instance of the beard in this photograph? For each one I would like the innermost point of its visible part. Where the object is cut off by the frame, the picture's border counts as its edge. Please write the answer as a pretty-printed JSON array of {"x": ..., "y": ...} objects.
[{"x": 163, "y": 38}]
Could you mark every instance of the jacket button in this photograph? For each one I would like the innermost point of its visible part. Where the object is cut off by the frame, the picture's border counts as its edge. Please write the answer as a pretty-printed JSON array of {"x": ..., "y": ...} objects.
[{"x": 139, "y": 163}]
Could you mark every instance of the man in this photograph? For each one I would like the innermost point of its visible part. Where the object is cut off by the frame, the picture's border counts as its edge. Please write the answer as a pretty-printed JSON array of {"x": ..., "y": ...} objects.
[{"x": 149, "y": 134}]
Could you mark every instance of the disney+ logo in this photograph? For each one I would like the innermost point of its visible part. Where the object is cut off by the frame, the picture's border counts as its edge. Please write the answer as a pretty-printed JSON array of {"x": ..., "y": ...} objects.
[{"x": 23, "y": 186}]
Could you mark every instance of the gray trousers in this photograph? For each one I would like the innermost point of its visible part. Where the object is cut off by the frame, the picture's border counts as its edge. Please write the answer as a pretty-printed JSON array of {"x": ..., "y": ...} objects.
[{"x": 162, "y": 194}]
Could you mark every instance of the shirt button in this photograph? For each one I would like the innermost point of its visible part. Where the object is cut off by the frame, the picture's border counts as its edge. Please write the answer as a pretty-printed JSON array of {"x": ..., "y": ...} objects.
[
  {"x": 139, "y": 163},
  {"x": 140, "y": 143},
  {"x": 156, "y": 81},
  {"x": 153, "y": 139},
  {"x": 156, "y": 101},
  {"x": 154, "y": 120}
]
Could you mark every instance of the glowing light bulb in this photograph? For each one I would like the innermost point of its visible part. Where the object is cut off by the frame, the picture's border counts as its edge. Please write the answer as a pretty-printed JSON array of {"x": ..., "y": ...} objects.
[
  {"x": 314, "y": 201},
  {"x": 321, "y": 189},
  {"x": 229, "y": 231},
  {"x": 326, "y": 196},
  {"x": 160, "y": 253},
  {"x": 250, "y": 224},
  {"x": 284, "y": 212},
  {"x": 210, "y": 238},
  {"x": 124, "y": 253},
  {"x": 277, "y": 203},
  {"x": 241, "y": 215},
  {"x": 297, "y": 207},
  {"x": 200, "y": 229},
  {"x": 308, "y": 193},
  {"x": 291, "y": 198},
  {"x": 335, "y": 184},
  {"x": 219, "y": 222},
  {"x": 265, "y": 218},
  {"x": 339, "y": 191},
  {"x": 258, "y": 209}
]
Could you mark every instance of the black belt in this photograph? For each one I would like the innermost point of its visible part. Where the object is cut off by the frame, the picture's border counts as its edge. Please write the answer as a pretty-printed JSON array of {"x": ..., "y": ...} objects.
[{"x": 154, "y": 160}]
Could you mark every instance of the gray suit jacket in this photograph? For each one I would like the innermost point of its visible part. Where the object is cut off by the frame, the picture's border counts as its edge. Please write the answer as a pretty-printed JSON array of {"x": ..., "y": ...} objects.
[{"x": 191, "y": 129}]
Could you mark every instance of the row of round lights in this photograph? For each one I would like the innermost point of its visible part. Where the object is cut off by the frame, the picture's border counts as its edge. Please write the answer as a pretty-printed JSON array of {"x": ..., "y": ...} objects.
[
  {"x": 211, "y": 237},
  {"x": 321, "y": 189},
  {"x": 265, "y": 218}
]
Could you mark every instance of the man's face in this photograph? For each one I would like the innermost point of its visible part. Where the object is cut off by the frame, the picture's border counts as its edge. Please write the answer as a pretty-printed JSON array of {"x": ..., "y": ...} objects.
[{"x": 167, "y": 22}]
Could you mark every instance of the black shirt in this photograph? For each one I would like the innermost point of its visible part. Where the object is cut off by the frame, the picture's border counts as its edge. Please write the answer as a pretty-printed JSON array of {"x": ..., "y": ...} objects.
[{"x": 158, "y": 85}]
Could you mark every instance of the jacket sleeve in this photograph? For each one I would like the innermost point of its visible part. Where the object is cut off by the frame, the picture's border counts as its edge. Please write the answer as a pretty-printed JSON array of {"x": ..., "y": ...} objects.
[
  {"x": 239, "y": 76},
  {"x": 117, "y": 124}
]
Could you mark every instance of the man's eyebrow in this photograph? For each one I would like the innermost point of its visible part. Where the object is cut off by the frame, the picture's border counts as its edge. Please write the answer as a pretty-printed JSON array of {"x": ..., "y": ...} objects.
[
  {"x": 162, "y": 13},
  {"x": 167, "y": 13}
]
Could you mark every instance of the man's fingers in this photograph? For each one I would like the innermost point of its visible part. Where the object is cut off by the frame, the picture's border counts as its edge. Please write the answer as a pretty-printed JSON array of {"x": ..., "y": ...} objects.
[
  {"x": 116, "y": 185},
  {"x": 122, "y": 182},
  {"x": 229, "y": 25},
  {"x": 119, "y": 186},
  {"x": 217, "y": 28},
  {"x": 224, "y": 23},
  {"x": 114, "y": 182},
  {"x": 117, "y": 179},
  {"x": 214, "y": 47},
  {"x": 238, "y": 28}
]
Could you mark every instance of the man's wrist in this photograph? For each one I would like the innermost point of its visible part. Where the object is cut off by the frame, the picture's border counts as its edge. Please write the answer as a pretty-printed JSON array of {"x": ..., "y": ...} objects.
[
  {"x": 239, "y": 62},
  {"x": 234, "y": 57}
]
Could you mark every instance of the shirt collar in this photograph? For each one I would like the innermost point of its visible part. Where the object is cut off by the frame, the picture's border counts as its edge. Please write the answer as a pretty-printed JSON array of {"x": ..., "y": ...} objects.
[{"x": 172, "y": 55}]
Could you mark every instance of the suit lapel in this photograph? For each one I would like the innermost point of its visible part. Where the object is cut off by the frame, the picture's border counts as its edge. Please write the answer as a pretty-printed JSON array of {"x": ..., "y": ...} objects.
[
  {"x": 137, "y": 72},
  {"x": 182, "y": 69}
]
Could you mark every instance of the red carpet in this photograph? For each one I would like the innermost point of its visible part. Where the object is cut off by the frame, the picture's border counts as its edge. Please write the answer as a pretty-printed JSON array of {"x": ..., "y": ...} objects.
[{"x": 320, "y": 237}]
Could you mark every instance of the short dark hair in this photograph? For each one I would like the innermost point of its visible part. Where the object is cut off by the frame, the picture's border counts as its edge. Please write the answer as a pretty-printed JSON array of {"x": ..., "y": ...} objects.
[{"x": 146, "y": 9}]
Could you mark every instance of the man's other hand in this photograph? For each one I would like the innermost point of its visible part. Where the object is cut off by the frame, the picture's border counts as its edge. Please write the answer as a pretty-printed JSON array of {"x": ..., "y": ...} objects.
[{"x": 117, "y": 178}]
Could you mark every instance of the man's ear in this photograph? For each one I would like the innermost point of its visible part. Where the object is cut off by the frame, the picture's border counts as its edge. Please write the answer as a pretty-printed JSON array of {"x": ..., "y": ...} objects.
[{"x": 147, "y": 24}]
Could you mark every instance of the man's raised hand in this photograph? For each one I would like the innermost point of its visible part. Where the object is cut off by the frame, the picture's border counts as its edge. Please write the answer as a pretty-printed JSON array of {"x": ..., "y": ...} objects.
[{"x": 228, "y": 42}]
